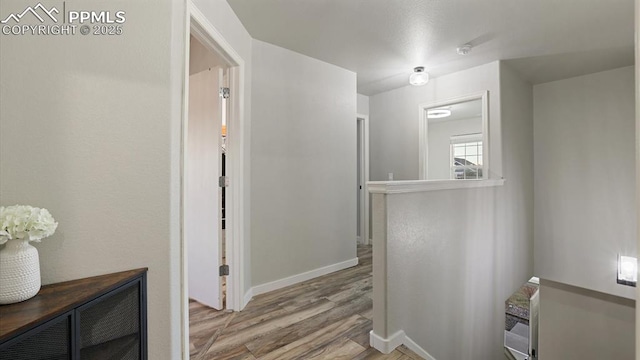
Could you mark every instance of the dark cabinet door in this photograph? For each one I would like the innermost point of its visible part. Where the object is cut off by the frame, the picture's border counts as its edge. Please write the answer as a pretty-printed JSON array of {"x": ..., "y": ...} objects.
[
  {"x": 49, "y": 341},
  {"x": 109, "y": 327},
  {"x": 102, "y": 317}
]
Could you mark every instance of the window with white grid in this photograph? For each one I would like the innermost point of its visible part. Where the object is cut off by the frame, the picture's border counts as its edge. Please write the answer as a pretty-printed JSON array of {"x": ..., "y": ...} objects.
[{"x": 466, "y": 156}]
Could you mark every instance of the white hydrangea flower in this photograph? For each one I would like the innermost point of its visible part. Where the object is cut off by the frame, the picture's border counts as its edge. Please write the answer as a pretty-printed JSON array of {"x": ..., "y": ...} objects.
[{"x": 25, "y": 222}]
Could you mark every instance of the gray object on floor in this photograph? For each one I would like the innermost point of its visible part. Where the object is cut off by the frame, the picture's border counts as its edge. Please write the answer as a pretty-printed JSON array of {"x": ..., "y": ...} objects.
[{"x": 518, "y": 338}]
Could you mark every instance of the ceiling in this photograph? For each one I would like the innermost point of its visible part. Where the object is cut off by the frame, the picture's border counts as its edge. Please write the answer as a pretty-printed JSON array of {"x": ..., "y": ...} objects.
[{"x": 382, "y": 40}]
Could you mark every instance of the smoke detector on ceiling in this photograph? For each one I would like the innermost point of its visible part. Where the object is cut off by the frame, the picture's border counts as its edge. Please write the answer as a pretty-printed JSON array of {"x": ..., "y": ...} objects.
[{"x": 464, "y": 49}]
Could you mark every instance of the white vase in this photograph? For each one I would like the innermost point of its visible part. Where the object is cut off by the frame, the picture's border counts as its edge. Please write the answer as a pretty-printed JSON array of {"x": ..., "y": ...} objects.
[{"x": 19, "y": 272}]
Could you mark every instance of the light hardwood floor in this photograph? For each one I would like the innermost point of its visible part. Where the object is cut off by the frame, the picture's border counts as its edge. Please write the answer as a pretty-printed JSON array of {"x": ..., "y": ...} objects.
[{"x": 325, "y": 318}]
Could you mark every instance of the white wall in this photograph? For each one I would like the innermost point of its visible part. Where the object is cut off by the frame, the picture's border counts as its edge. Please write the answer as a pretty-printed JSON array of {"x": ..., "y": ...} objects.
[
  {"x": 201, "y": 58},
  {"x": 455, "y": 256},
  {"x": 585, "y": 211},
  {"x": 90, "y": 129},
  {"x": 443, "y": 288},
  {"x": 303, "y": 164},
  {"x": 578, "y": 324},
  {"x": 637, "y": 102},
  {"x": 439, "y": 142},
  {"x": 394, "y": 116},
  {"x": 97, "y": 141},
  {"x": 362, "y": 104},
  {"x": 515, "y": 215}
]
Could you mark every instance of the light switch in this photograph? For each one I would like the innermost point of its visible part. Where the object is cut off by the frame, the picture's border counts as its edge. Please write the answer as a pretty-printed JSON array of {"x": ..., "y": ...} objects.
[{"x": 390, "y": 176}]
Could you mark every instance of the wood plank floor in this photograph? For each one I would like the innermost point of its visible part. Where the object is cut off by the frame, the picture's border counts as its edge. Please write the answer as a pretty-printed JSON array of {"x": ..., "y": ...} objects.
[{"x": 325, "y": 318}]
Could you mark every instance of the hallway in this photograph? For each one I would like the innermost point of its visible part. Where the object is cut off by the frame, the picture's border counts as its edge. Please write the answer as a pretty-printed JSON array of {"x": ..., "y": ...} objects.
[{"x": 324, "y": 318}]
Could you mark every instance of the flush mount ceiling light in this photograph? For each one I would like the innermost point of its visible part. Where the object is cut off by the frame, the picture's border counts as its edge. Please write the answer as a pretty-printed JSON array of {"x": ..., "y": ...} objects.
[
  {"x": 419, "y": 77},
  {"x": 438, "y": 113},
  {"x": 464, "y": 49}
]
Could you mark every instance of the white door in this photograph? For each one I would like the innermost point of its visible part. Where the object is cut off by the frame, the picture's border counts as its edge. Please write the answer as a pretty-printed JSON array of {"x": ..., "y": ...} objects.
[{"x": 201, "y": 200}]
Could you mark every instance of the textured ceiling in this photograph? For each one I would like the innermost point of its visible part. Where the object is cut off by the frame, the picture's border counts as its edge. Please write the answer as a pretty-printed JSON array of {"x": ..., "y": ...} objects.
[{"x": 382, "y": 40}]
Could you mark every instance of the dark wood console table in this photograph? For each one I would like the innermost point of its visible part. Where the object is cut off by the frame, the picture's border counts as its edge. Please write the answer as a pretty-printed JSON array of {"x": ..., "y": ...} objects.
[{"x": 101, "y": 317}]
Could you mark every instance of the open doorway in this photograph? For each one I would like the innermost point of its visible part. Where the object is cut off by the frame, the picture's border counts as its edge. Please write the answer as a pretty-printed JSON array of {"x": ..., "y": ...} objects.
[
  {"x": 363, "y": 197},
  {"x": 202, "y": 170},
  {"x": 212, "y": 160},
  {"x": 204, "y": 151}
]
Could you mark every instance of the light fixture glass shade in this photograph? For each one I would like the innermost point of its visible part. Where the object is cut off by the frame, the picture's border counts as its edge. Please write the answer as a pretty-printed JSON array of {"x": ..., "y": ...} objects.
[{"x": 419, "y": 77}]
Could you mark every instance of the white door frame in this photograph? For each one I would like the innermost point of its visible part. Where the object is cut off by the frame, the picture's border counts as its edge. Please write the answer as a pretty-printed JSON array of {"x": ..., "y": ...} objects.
[
  {"x": 197, "y": 25},
  {"x": 364, "y": 168}
]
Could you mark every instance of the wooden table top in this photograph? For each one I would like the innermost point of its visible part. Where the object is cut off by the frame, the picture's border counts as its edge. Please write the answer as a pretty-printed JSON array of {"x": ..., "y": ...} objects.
[{"x": 56, "y": 299}]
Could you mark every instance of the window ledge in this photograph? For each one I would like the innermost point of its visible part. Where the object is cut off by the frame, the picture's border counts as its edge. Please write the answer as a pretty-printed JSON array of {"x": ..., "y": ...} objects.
[{"x": 411, "y": 186}]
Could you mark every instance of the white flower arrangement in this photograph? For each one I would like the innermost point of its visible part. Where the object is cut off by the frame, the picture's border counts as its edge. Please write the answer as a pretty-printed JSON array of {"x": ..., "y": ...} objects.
[{"x": 25, "y": 222}]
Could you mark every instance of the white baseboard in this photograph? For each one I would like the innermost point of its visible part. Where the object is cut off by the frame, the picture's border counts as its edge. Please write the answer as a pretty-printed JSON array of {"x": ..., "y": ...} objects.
[
  {"x": 386, "y": 346},
  {"x": 247, "y": 297},
  {"x": 416, "y": 348},
  {"x": 295, "y": 279}
]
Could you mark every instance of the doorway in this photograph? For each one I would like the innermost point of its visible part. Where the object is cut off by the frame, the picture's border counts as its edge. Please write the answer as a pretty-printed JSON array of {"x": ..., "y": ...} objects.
[
  {"x": 202, "y": 169},
  {"x": 211, "y": 66},
  {"x": 363, "y": 197}
]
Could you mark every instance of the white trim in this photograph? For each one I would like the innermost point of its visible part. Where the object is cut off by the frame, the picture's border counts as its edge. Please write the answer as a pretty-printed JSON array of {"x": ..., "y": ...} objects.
[
  {"x": 247, "y": 297},
  {"x": 201, "y": 28},
  {"x": 459, "y": 139},
  {"x": 637, "y": 148},
  {"x": 423, "y": 147},
  {"x": 411, "y": 186},
  {"x": 423, "y": 136},
  {"x": 184, "y": 290},
  {"x": 416, "y": 348},
  {"x": 308, "y": 275},
  {"x": 386, "y": 346},
  {"x": 366, "y": 215},
  {"x": 198, "y": 25},
  {"x": 486, "y": 144}
]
